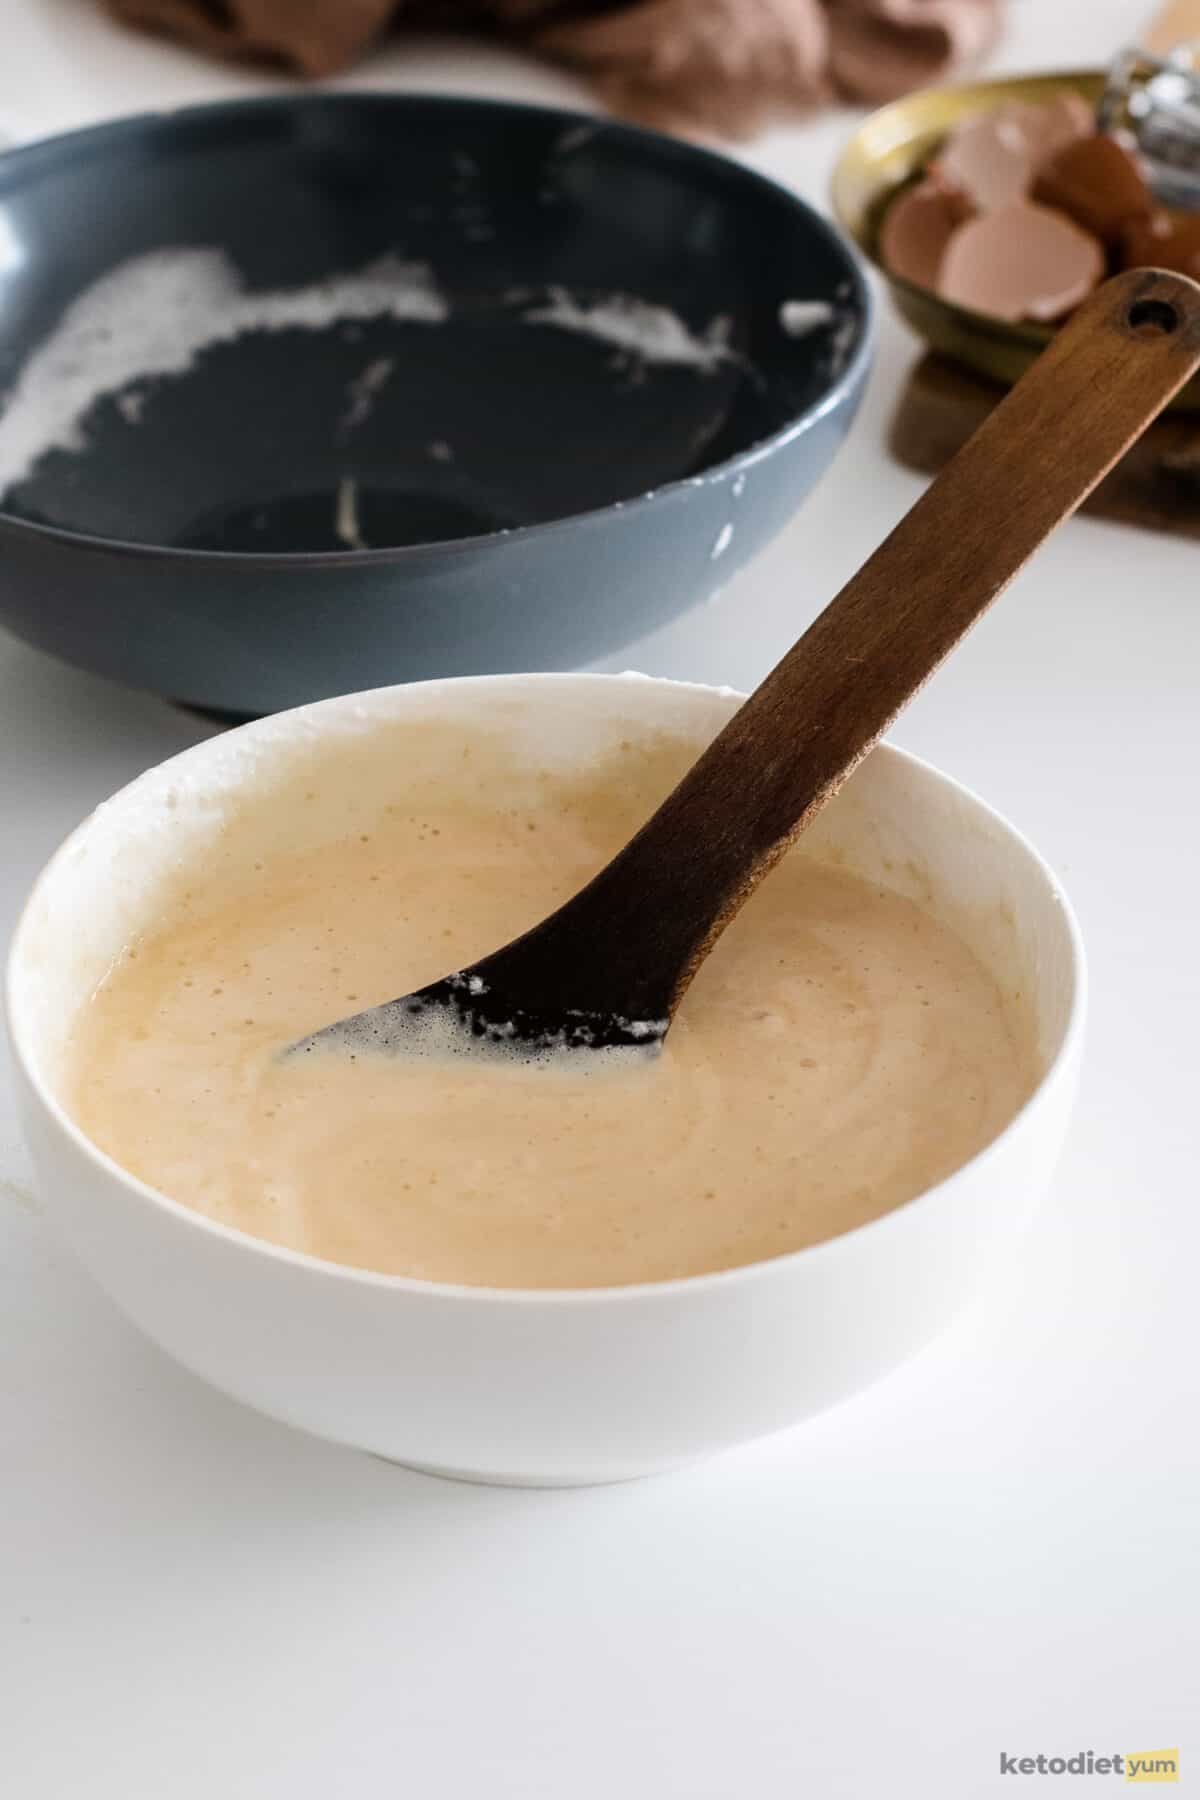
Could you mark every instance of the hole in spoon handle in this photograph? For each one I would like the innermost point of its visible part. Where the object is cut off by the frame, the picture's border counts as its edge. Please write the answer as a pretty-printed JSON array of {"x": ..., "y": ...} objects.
[
  {"x": 1153, "y": 318},
  {"x": 1153, "y": 305}
]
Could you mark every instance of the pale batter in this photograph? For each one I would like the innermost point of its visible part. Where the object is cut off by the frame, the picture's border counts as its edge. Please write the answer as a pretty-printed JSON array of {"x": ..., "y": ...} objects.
[{"x": 838, "y": 1053}]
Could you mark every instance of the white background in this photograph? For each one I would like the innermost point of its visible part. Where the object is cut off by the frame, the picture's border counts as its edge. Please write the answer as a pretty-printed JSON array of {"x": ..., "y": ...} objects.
[{"x": 995, "y": 1549}]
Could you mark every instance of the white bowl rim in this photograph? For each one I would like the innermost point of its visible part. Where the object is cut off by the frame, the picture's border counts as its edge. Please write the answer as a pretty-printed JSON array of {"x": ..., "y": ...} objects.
[{"x": 629, "y": 1292}]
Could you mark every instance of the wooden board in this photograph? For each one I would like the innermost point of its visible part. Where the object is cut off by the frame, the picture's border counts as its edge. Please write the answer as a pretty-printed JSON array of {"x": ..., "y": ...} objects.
[{"x": 1156, "y": 485}]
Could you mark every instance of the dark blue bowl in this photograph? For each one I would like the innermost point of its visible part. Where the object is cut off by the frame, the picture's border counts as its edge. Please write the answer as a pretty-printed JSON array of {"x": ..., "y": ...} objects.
[{"x": 262, "y": 462}]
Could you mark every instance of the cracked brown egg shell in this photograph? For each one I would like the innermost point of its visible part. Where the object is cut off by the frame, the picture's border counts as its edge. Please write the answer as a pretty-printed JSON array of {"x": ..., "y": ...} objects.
[
  {"x": 1163, "y": 241},
  {"x": 990, "y": 159},
  {"x": 1097, "y": 182},
  {"x": 993, "y": 159},
  {"x": 916, "y": 230},
  {"x": 1021, "y": 261},
  {"x": 1053, "y": 124}
]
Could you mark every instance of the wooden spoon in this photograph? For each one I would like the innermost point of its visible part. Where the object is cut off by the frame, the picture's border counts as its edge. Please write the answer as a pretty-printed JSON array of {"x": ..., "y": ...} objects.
[{"x": 611, "y": 966}]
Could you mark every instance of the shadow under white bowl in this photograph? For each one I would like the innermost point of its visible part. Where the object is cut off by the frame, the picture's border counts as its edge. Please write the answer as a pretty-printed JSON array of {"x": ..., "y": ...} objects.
[{"x": 532, "y": 1386}]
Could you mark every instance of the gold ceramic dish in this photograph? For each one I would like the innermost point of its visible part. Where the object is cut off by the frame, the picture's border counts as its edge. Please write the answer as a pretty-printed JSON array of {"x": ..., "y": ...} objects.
[{"x": 891, "y": 148}]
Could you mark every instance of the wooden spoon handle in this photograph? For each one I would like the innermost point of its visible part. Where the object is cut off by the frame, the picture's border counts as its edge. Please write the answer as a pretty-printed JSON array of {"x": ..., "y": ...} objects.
[
  {"x": 1175, "y": 23},
  {"x": 658, "y": 906}
]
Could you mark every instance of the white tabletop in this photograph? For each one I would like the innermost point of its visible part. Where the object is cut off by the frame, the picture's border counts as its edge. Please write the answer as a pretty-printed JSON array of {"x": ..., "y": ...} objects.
[{"x": 992, "y": 1551}]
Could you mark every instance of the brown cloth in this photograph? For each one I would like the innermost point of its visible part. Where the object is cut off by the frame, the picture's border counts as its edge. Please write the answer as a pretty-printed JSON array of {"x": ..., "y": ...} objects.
[{"x": 694, "y": 66}]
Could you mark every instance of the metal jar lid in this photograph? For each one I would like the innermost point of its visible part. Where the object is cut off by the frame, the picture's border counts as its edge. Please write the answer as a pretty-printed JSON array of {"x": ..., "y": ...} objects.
[{"x": 1158, "y": 102}]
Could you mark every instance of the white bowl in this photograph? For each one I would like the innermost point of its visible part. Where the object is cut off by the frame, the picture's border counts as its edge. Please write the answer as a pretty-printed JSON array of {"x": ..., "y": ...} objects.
[{"x": 541, "y": 1387}]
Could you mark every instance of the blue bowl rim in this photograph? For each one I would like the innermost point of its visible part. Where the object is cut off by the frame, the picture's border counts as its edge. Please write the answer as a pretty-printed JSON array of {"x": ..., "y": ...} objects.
[{"x": 69, "y": 144}]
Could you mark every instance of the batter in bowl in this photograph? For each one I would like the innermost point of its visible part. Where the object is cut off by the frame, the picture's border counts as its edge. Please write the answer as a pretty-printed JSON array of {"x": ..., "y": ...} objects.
[{"x": 840, "y": 1050}]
